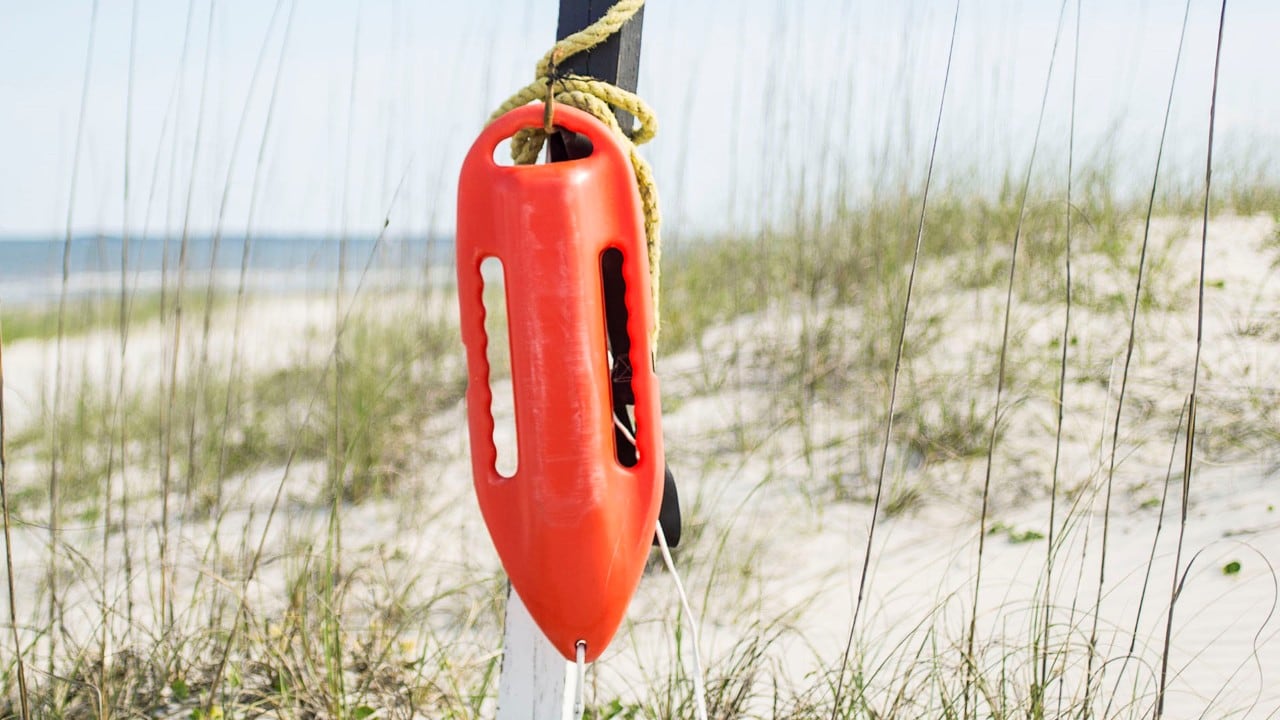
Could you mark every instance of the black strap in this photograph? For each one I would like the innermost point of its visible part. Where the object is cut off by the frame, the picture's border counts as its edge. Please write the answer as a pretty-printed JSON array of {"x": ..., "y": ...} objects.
[{"x": 615, "y": 61}]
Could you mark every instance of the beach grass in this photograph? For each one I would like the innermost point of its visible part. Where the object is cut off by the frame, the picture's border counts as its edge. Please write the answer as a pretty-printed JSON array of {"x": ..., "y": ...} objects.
[
  {"x": 81, "y": 316},
  {"x": 813, "y": 346}
]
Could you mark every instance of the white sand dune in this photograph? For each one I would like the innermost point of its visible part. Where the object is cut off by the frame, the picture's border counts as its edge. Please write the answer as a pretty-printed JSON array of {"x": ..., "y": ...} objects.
[{"x": 778, "y": 523}]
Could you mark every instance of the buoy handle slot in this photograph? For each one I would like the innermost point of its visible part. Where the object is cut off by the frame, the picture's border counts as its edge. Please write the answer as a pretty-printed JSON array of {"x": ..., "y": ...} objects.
[
  {"x": 497, "y": 342},
  {"x": 618, "y": 356},
  {"x": 571, "y": 130}
]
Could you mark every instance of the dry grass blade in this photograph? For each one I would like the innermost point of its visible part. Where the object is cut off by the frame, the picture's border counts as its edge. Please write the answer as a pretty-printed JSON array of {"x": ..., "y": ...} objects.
[
  {"x": 1128, "y": 359},
  {"x": 970, "y": 658},
  {"x": 247, "y": 249},
  {"x": 1195, "y": 371},
  {"x": 18, "y": 655},
  {"x": 174, "y": 349},
  {"x": 108, "y": 494},
  {"x": 55, "y": 505},
  {"x": 1038, "y": 692},
  {"x": 203, "y": 368},
  {"x": 897, "y": 370},
  {"x": 261, "y": 546}
]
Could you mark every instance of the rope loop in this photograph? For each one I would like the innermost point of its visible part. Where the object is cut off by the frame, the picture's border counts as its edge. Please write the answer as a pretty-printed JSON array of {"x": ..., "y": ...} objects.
[{"x": 600, "y": 99}]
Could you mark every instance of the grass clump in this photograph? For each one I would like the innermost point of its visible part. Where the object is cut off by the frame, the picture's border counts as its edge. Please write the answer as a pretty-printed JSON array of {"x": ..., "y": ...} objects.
[
  {"x": 801, "y": 325},
  {"x": 397, "y": 372},
  {"x": 89, "y": 314}
]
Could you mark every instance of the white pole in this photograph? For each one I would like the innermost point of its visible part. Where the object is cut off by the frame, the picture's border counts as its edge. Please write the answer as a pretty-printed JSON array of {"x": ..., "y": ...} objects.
[{"x": 536, "y": 683}]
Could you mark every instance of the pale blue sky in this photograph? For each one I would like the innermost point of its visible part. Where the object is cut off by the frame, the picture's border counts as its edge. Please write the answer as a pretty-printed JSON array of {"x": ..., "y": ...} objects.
[{"x": 757, "y": 100}]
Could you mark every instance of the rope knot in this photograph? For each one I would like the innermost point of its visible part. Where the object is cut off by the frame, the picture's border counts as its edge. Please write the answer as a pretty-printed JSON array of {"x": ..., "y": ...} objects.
[
  {"x": 600, "y": 99},
  {"x": 548, "y": 106}
]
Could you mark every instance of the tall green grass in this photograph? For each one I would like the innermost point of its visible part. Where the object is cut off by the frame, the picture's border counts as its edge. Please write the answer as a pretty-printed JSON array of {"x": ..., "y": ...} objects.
[{"x": 402, "y": 369}]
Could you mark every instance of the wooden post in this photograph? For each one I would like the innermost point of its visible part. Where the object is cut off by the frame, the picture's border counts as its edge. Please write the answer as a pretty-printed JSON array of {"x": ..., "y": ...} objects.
[
  {"x": 536, "y": 682},
  {"x": 615, "y": 61}
]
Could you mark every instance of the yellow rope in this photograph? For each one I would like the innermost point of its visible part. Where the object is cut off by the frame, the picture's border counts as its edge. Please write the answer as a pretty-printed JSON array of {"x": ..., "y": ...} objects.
[{"x": 598, "y": 98}]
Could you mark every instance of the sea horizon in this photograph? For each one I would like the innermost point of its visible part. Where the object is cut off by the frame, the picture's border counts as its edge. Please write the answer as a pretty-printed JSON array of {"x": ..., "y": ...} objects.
[{"x": 32, "y": 267}]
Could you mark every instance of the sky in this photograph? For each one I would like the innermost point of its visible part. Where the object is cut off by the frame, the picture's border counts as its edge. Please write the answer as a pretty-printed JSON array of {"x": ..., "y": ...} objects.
[{"x": 327, "y": 117}]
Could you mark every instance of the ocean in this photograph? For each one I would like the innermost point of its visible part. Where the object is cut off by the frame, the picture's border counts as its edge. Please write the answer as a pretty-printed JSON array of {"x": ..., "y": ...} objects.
[{"x": 31, "y": 268}]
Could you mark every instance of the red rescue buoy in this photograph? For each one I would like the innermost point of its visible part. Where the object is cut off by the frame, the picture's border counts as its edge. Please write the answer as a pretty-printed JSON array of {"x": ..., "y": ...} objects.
[{"x": 572, "y": 525}]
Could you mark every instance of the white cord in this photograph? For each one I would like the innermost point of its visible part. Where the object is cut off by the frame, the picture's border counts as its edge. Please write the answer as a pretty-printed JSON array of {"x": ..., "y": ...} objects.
[
  {"x": 579, "y": 703},
  {"x": 699, "y": 690},
  {"x": 627, "y": 434}
]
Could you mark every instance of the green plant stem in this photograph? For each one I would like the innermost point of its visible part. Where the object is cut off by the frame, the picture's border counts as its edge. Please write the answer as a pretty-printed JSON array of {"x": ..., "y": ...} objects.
[
  {"x": 18, "y": 655},
  {"x": 1188, "y": 464}
]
